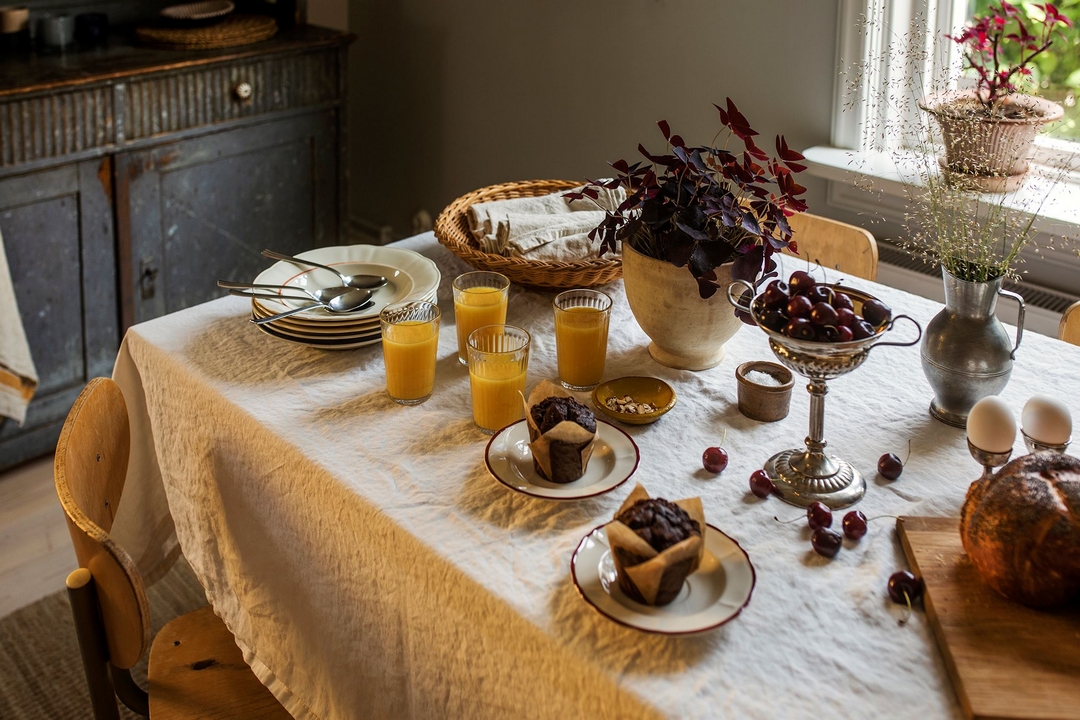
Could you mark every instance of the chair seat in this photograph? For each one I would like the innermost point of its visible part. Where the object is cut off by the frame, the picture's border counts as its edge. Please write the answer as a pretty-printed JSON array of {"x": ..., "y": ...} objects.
[{"x": 197, "y": 671}]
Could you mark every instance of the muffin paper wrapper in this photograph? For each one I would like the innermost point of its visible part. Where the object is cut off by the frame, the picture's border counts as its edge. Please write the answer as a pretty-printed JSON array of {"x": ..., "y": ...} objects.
[
  {"x": 648, "y": 576},
  {"x": 563, "y": 452}
]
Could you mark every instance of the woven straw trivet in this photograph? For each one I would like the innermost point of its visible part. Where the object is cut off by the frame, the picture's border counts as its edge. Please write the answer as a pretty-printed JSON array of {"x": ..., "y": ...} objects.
[{"x": 233, "y": 31}]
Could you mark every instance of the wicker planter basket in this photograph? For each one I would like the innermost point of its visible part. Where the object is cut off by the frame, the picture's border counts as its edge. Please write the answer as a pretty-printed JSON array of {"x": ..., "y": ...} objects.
[{"x": 452, "y": 230}]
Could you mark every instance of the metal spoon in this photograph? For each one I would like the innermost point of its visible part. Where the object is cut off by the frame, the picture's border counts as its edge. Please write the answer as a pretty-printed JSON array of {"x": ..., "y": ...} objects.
[
  {"x": 350, "y": 301},
  {"x": 356, "y": 281},
  {"x": 322, "y": 295}
]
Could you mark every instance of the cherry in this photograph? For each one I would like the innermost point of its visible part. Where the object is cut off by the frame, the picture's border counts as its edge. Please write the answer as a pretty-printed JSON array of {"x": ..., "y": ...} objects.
[
  {"x": 844, "y": 334},
  {"x": 862, "y": 330},
  {"x": 876, "y": 312},
  {"x": 820, "y": 294},
  {"x": 776, "y": 294},
  {"x": 845, "y": 316},
  {"x": 799, "y": 306},
  {"x": 773, "y": 319},
  {"x": 904, "y": 587},
  {"x": 889, "y": 466},
  {"x": 799, "y": 329},
  {"x": 800, "y": 281},
  {"x": 842, "y": 301},
  {"x": 827, "y": 333},
  {"x": 715, "y": 459},
  {"x": 818, "y": 515},
  {"x": 854, "y": 525},
  {"x": 824, "y": 314},
  {"x": 761, "y": 484},
  {"x": 826, "y": 542}
]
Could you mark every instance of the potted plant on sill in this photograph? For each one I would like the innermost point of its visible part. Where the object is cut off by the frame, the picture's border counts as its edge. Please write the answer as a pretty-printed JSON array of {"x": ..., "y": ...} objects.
[
  {"x": 988, "y": 131},
  {"x": 695, "y": 218}
]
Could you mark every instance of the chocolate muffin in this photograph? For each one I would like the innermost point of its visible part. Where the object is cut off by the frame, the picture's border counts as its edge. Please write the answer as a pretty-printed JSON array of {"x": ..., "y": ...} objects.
[
  {"x": 566, "y": 459},
  {"x": 551, "y": 411},
  {"x": 659, "y": 522}
]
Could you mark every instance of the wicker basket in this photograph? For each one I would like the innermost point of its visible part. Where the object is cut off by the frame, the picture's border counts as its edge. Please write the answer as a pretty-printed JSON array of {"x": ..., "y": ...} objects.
[{"x": 452, "y": 230}]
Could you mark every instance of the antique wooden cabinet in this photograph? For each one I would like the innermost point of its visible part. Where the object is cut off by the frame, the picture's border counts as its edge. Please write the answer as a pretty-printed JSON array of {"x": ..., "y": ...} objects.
[{"x": 132, "y": 178}]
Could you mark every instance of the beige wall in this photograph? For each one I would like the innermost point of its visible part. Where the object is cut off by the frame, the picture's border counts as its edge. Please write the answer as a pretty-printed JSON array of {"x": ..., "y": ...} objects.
[
  {"x": 450, "y": 96},
  {"x": 329, "y": 13}
]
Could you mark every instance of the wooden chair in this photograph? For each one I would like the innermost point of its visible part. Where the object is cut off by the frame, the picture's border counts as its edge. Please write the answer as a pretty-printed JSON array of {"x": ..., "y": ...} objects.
[
  {"x": 835, "y": 245},
  {"x": 1069, "y": 327},
  {"x": 195, "y": 670}
]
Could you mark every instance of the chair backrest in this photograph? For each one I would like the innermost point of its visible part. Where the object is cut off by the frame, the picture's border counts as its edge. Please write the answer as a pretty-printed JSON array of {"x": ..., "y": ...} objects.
[
  {"x": 90, "y": 469},
  {"x": 1069, "y": 327},
  {"x": 835, "y": 245}
]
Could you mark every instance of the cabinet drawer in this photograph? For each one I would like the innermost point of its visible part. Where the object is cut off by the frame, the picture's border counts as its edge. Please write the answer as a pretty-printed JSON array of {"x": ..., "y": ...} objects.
[
  {"x": 43, "y": 127},
  {"x": 205, "y": 96}
]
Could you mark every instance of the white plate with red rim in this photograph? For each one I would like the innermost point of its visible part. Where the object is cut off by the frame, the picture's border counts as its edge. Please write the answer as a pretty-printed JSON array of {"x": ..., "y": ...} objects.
[
  {"x": 614, "y": 459},
  {"x": 410, "y": 276},
  {"x": 710, "y": 598}
]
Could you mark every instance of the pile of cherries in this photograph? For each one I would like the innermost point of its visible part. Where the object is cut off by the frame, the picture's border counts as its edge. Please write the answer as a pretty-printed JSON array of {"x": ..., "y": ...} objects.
[
  {"x": 825, "y": 541},
  {"x": 804, "y": 310}
]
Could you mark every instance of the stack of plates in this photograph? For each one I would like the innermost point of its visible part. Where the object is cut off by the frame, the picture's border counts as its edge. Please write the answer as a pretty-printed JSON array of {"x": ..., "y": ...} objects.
[{"x": 410, "y": 276}]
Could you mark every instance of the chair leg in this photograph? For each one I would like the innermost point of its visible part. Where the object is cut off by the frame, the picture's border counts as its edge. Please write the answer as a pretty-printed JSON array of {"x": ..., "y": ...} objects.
[{"x": 95, "y": 654}]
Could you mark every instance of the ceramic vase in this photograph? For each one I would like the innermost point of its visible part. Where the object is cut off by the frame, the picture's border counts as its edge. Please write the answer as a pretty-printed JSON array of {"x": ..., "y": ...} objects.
[
  {"x": 687, "y": 332},
  {"x": 966, "y": 353}
]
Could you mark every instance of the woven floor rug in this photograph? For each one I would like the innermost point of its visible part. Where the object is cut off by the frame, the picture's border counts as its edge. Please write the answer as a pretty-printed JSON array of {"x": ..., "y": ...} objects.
[{"x": 41, "y": 675}]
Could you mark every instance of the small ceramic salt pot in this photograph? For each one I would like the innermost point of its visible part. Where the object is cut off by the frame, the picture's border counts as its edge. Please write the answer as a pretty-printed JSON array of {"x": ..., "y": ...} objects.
[{"x": 761, "y": 401}]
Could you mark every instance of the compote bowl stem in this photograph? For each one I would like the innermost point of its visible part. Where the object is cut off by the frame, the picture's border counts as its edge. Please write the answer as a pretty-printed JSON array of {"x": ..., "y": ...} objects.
[{"x": 815, "y": 463}]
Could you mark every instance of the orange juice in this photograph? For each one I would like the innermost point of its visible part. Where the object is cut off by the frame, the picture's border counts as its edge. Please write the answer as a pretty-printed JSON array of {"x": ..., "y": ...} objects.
[
  {"x": 476, "y": 307},
  {"x": 409, "y": 352},
  {"x": 581, "y": 343},
  {"x": 496, "y": 392}
]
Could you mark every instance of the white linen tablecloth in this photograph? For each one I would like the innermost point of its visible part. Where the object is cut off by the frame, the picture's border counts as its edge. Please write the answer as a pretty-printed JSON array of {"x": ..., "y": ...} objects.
[{"x": 371, "y": 568}]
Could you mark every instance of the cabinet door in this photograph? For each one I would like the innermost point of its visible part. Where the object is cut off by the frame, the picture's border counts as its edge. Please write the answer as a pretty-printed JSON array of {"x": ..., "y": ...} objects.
[
  {"x": 58, "y": 235},
  {"x": 194, "y": 211}
]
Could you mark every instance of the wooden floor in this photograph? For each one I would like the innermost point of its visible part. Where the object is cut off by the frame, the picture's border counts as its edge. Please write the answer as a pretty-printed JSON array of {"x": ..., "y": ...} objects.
[{"x": 35, "y": 549}]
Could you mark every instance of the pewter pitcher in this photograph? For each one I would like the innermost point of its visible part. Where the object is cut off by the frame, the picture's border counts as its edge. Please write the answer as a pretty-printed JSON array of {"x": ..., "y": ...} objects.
[{"x": 966, "y": 353}]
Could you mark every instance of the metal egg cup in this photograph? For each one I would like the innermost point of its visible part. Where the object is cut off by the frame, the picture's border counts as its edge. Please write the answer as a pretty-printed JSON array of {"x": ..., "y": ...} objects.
[
  {"x": 1034, "y": 445},
  {"x": 806, "y": 474}
]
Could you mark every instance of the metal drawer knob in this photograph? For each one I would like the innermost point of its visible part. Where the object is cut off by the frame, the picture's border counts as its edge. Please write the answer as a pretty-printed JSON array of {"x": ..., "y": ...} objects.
[{"x": 243, "y": 91}]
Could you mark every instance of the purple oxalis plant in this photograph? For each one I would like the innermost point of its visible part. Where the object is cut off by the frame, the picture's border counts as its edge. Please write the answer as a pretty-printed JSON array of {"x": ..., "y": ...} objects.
[
  {"x": 988, "y": 39},
  {"x": 703, "y": 206}
]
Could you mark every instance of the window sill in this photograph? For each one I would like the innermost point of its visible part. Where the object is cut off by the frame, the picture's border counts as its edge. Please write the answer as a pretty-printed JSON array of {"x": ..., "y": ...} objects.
[{"x": 870, "y": 183}]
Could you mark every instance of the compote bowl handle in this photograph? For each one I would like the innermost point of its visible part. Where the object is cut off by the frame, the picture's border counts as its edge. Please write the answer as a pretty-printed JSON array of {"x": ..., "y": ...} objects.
[
  {"x": 734, "y": 301},
  {"x": 902, "y": 344}
]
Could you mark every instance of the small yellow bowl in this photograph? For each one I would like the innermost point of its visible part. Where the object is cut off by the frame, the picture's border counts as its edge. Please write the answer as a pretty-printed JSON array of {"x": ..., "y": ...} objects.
[{"x": 650, "y": 390}]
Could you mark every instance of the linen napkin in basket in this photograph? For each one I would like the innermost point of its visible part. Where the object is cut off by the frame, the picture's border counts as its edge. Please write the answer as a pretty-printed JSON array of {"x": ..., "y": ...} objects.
[
  {"x": 18, "y": 376},
  {"x": 648, "y": 576},
  {"x": 546, "y": 227}
]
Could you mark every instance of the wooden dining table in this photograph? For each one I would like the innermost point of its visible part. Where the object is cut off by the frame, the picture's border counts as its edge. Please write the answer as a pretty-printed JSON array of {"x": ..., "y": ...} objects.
[{"x": 370, "y": 566}]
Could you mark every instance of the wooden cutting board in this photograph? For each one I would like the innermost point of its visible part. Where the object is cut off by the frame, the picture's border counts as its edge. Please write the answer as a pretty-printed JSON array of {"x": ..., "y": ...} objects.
[{"x": 1005, "y": 660}]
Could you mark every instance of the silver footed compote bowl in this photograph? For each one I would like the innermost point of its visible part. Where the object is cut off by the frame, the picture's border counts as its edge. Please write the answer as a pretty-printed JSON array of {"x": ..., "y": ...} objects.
[{"x": 806, "y": 474}]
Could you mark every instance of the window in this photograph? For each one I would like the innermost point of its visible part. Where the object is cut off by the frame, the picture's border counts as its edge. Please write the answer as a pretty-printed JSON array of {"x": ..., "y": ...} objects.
[
  {"x": 863, "y": 131},
  {"x": 872, "y": 30}
]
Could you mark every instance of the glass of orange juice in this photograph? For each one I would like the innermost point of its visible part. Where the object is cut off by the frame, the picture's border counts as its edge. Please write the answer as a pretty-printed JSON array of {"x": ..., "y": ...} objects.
[
  {"x": 479, "y": 299},
  {"x": 498, "y": 360},
  {"x": 410, "y": 340},
  {"x": 581, "y": 330}
]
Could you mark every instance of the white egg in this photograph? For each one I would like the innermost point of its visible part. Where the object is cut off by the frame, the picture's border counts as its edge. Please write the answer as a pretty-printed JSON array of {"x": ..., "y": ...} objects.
[
  {"x": 1046, "y": 420},
  {"x": 991, "y": 426}
]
